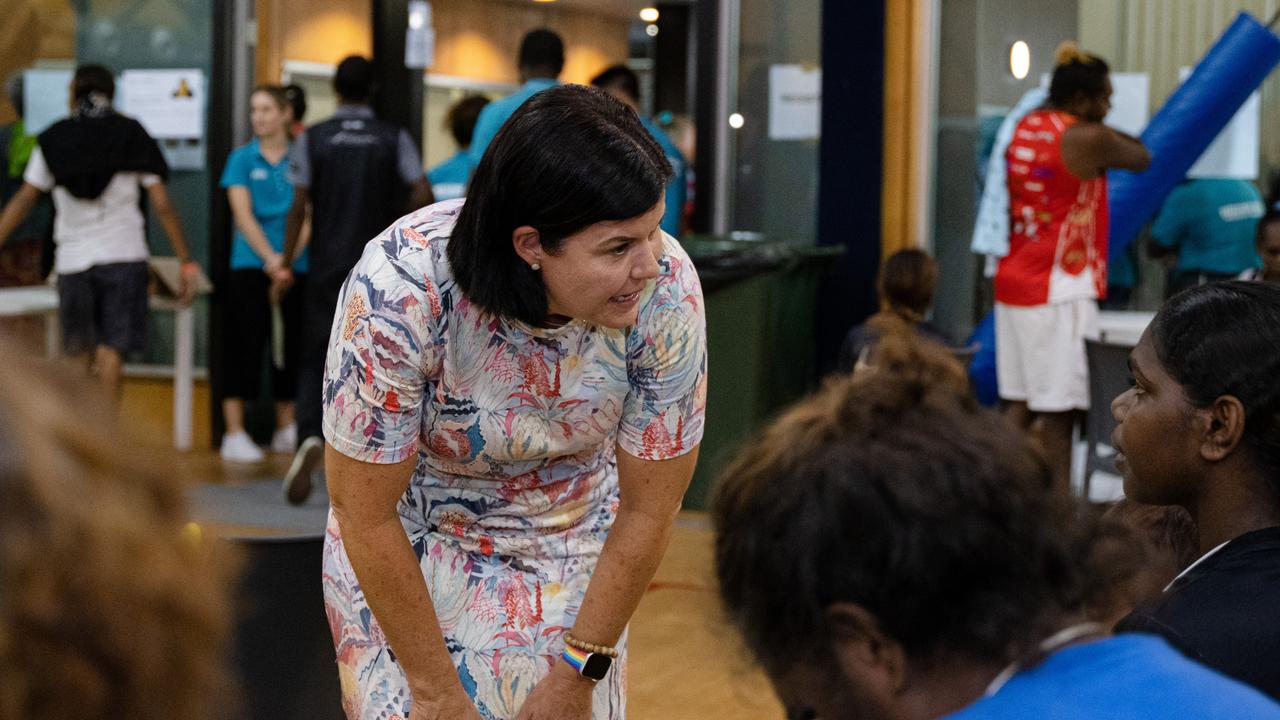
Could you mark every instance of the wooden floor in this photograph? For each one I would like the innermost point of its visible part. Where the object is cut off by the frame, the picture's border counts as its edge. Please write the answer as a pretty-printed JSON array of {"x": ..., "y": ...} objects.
[{"x": 685, "y": 663}]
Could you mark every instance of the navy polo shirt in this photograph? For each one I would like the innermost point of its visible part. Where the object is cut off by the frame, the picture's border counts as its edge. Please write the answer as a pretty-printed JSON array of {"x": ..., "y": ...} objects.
[{"x": 271, "y": 194}]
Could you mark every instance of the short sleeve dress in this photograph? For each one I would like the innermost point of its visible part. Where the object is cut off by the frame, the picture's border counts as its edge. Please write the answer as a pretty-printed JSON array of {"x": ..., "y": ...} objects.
[{"x": 514, "y": 430}]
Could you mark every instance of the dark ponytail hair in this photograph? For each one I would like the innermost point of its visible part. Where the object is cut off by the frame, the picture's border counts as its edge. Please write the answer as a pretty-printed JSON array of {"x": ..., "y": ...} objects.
[
  {"x": 1077, "y": 73},
  {"x": 1224, "y": 339}
]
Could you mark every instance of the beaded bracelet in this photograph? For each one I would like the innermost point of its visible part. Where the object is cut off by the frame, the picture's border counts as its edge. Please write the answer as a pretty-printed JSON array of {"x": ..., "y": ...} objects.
[{"x": 575, "y": 643}]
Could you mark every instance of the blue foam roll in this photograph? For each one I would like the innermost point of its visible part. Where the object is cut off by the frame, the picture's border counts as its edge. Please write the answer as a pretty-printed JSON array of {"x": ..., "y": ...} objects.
[{"x": 1189, "y": 121}]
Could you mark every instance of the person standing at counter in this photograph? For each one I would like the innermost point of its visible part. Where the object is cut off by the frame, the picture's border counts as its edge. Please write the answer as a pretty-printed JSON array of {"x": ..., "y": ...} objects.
[
  {"x": 259, "y": 192},
  {"x": 1047, "y": 288},
  {"x": 621, "y": 82},
  {"x": 540, "y": 61},
  {"x": 449, "y": 178}
]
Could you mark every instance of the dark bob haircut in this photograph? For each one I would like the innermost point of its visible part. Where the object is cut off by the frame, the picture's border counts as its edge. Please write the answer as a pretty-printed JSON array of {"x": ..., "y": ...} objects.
[
  {"x": 892, "y": 489},
  {"x": 91, "y": 79},
  {"x": 1224, "y": 339},
  {"x": 571, "y": 156}
]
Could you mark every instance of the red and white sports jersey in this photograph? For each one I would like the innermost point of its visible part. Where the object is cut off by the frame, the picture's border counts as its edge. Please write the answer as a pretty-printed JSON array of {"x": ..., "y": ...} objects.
[{"x": 1058, "y": 228}]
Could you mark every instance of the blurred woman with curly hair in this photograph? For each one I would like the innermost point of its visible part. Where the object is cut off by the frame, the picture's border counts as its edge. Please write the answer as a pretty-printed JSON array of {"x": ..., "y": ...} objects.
[{"x": 107, "y": 608}]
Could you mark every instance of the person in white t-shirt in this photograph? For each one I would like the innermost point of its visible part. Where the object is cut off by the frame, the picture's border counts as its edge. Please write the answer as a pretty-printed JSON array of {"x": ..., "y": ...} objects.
[{"x": 96, "y": 163}]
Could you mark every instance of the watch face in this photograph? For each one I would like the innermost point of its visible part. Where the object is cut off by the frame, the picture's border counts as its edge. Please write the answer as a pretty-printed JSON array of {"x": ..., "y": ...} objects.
[{"x": 596, "y": 666}]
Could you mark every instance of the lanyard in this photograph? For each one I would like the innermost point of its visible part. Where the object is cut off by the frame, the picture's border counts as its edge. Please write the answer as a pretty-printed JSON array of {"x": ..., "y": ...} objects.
[{"x": 1056, "y": 641}]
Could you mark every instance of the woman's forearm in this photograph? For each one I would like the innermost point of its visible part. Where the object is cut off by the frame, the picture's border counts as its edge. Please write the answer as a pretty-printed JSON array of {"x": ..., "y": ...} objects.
[
  {"x": 627, "y": 564},
  {"x": 391, "y": 578}
]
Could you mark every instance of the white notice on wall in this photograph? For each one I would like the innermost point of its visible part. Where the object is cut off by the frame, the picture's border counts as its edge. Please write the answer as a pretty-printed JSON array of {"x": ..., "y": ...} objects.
[
  {"x": 1130, "y": 99},
  {"x": 795, "y": 102},
  {"x": 168, "y": 103},
  {"x": 45, "y": 95},
  {"x": 1234, "y": 153}
]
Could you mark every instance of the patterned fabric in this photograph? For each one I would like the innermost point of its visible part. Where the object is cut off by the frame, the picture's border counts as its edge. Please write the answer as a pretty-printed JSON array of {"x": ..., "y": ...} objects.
[
  {"x": 1058, "y": 239},
  {"x": 514, "y": 430}
]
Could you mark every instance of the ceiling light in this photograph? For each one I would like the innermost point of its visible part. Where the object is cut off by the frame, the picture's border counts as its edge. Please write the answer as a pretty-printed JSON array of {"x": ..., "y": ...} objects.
[
  {"x": 1019, "y": 60},
  {"x": 736, "y": 120},
  {"x": 649, "y": 15},
  {"x": 651, "y": 30}
]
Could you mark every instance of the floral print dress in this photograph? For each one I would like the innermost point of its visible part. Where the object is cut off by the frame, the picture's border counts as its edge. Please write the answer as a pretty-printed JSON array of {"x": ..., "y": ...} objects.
[{"x": 514, "y": 430}]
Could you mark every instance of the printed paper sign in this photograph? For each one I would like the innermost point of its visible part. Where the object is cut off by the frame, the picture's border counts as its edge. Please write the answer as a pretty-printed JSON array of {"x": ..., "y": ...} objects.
[{"x": 168, "y": 103}]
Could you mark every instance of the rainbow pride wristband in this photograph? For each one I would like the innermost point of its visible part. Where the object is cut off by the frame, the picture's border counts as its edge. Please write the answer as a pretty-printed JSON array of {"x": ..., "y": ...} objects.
[{"x": 576, "y": 658}]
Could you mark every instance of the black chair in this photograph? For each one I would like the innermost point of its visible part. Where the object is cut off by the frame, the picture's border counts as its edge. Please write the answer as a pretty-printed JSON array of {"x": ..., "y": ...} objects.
[
  {"x": 1108, "y": 377},
  {"x": 283, "y": 650}
]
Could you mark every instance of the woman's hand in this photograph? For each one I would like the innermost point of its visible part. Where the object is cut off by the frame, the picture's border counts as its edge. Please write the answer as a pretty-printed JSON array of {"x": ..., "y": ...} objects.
[
  {"x": 562, "y": 695},
  {"x": 451, "y": 705}
]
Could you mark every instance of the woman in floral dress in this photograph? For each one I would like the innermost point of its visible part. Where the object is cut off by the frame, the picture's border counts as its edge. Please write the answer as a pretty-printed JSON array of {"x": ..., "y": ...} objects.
[{"x": 512, "y": 380}]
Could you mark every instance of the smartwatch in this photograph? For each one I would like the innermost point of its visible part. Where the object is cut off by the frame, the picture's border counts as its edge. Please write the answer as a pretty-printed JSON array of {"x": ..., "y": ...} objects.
[{"x": 592, "y": 666}]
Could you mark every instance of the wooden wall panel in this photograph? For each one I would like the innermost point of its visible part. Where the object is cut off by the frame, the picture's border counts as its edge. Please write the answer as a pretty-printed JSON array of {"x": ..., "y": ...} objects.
[
  {"x": 908, "y": 107},
  {"x": 475, "y": 39},
  {"x": 52, "y": 25}
]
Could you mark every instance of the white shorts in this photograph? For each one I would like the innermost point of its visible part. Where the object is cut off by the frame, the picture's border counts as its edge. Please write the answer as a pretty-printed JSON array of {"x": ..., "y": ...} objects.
[{"x": 1040, "y": 355}]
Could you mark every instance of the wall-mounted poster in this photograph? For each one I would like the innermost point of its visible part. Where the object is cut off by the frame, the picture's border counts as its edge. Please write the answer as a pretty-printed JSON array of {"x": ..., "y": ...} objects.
[{"x": 168, "y": 103}]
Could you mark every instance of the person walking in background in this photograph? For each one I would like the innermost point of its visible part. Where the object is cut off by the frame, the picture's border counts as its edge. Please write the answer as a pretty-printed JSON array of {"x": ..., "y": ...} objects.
[
  {"x": 1206, "y": 231},
  {"x": 258, "y": 190},
  {"x": 621, "y": 82},
  {"x": 1048, "y": 286},
  {"x": 356, "y": 174},
  {"x": 540, "y": 61},
  {"x": 449, "y": 178},
  {"x": 96, "y": 163},
  {"x": 1268, "y": 248},
  {"x": 298, "y": 109},
  {"x": 27, "y": 258},
  {"x": 906, "y": 287}
]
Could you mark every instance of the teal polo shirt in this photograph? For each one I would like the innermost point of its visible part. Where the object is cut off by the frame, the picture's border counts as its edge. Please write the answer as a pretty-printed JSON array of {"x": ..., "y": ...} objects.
[
  {"x": 496, "y": 113},
  {"x": 271, "y": 194},
  {"x": 449, "y": 178},
  {"x": 677, "y": 184},
  {"x": 1211, "y": 223}
]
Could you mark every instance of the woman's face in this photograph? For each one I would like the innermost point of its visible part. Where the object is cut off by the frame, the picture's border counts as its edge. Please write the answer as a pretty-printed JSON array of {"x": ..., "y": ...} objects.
[
  {"x": 598, "y": 273},
  {"x": 1155, "y": 441},
  {"x": 265, "y": 115}
]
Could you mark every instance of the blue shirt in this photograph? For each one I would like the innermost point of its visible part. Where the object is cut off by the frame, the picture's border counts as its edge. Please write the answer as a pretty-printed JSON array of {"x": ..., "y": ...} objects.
[
  {"x": 677, "y": 184},
  {"x": 1127, "y": 677},
  {"x": 449, "y": 178},
  {"x": 271, "y": 194},
  {"x": 496, "y": 113},
  {"x": 1211, "y": 223}
]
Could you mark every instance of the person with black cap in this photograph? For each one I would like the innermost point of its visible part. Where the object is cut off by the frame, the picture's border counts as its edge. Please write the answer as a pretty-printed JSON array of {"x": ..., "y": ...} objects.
[
  {"x": 95, "y": 162},
  {"x": 357, "y": 174},
  {"x": 541, "y": 60}
]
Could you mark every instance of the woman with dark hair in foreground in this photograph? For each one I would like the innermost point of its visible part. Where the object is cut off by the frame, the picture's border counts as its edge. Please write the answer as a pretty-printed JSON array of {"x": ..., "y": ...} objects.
[
  {"x": 511, "y": 380},
  {"x": 892, "y": 550},
  {"x": 1200, "y": 428}
]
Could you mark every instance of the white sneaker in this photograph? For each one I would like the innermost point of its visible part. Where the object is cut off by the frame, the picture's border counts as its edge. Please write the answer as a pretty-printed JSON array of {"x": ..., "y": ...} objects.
[
  {"x": 297, "y": 482},
  {"x": 286, "y": 439},
  {"x": 238, "y": 447}
]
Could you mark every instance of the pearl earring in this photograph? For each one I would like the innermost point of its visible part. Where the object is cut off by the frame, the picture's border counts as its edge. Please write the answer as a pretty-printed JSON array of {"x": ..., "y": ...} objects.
[{"x": 536, "y": 267}]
